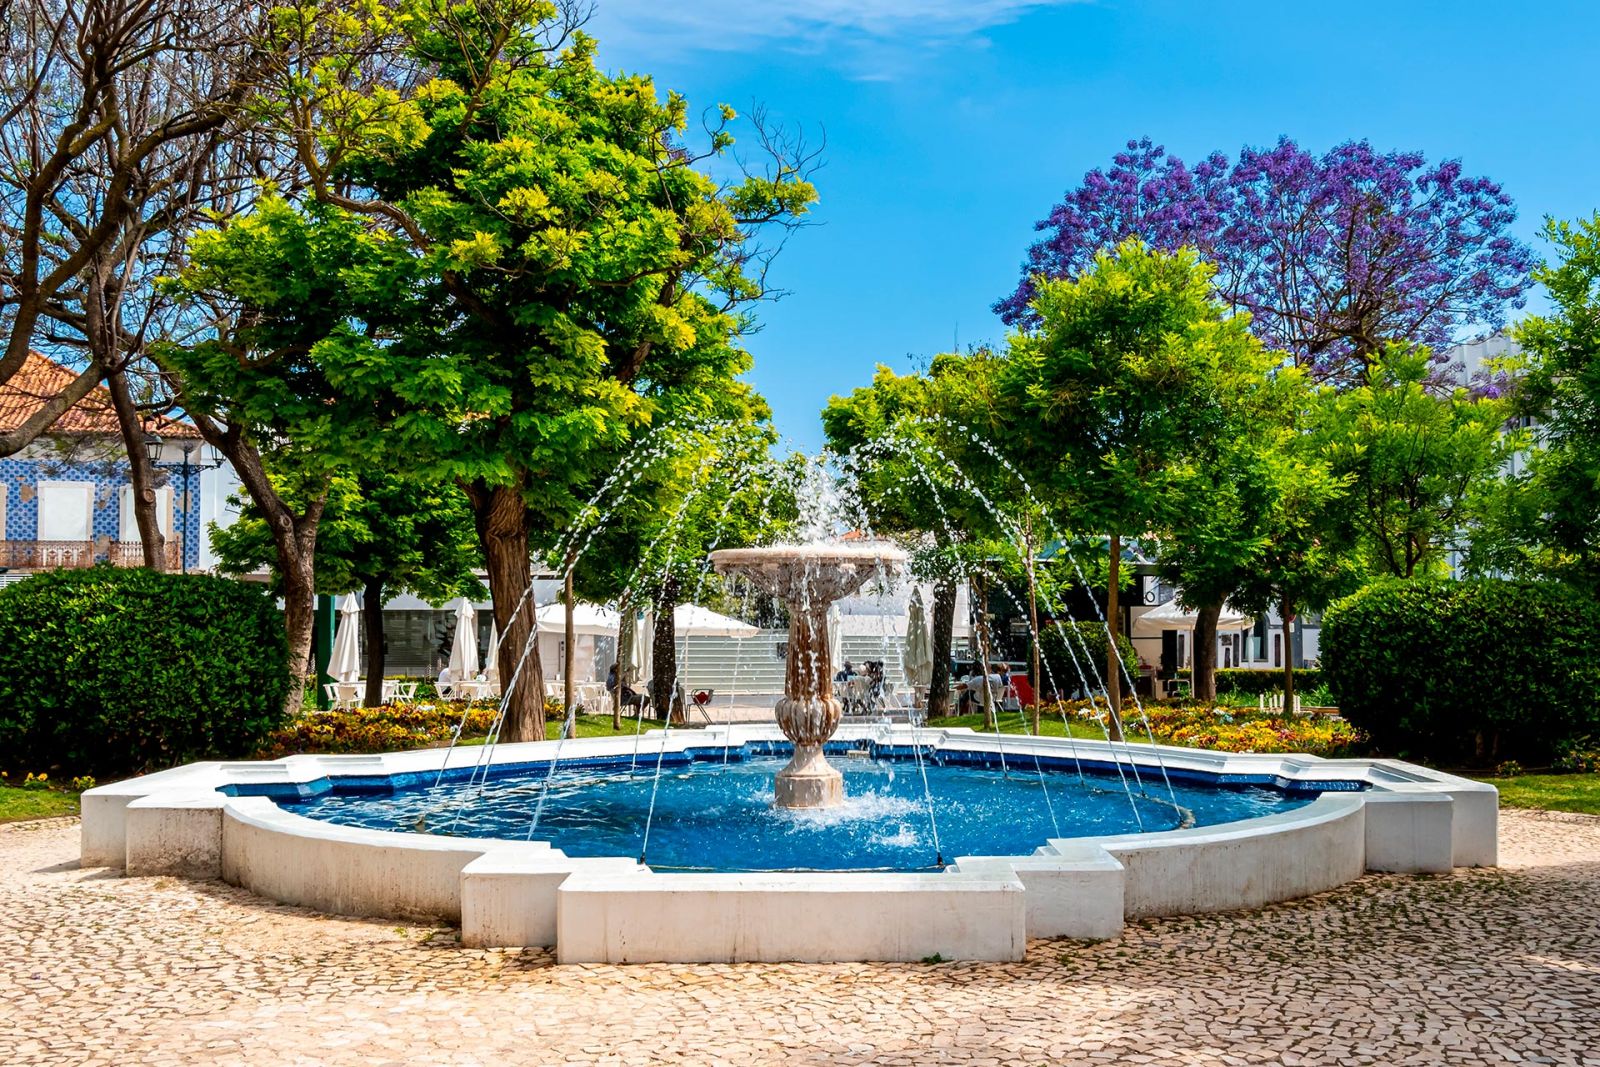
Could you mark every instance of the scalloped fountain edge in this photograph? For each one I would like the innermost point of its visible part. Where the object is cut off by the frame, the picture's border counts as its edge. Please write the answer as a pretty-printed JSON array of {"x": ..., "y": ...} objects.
[{"x": 611, "y": 909}]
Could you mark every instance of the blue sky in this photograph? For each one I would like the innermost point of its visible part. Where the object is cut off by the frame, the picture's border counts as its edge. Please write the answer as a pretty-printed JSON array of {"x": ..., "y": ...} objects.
[{"x": 952, "y": 126}]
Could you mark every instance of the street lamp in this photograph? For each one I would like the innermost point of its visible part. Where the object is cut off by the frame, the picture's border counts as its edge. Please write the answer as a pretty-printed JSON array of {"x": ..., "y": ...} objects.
[{"x": 208, "y": 460}]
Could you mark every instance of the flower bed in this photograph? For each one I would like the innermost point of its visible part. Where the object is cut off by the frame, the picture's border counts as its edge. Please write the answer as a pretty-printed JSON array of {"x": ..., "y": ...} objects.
[
  {"x": 1230, "y": 729},
  {"x": 390, "y": 728}
]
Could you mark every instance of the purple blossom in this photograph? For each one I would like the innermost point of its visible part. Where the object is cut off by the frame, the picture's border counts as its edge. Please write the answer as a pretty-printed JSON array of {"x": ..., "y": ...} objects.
[{"x": 1332, "y": 256}]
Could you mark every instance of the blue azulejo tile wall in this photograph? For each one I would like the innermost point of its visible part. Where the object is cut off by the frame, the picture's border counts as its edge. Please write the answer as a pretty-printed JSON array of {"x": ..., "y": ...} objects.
[{"x": 20, "y": 478}]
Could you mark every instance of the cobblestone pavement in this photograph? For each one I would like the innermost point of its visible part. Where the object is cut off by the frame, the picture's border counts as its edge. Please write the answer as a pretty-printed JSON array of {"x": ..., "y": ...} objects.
[{"x": 1489, "y": 966}]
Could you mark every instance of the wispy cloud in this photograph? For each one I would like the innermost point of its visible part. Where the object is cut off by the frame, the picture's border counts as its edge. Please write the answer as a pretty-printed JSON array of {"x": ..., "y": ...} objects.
[{"x": 845, "y": 29}]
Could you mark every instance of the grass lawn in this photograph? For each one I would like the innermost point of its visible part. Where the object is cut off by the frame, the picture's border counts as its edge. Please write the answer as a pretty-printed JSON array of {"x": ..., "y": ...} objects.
[
  {"x": 1551, "y": 792},
  {"x": 18, "y": 804},
  {"x": 589, "y": 726},
  {"x": 1012, "y": 723}
]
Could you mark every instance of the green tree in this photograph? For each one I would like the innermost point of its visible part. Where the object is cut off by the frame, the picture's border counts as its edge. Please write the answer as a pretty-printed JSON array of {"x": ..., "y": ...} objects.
[
  {"x": 1234, "y": 497},
  {"x": 380, "y": 536},
  {"x": 1415, "y": 458},
  {"x": 1305, "y": 555},
  {"x": 1544, "y": 520},
  {"x": 547, "y": 256},
  {"x": 272, "y": 386},
  {"x": 909, "y": 466},
  {"x": 707, "y": 490},
  {"x": 1114, "y": 390}
]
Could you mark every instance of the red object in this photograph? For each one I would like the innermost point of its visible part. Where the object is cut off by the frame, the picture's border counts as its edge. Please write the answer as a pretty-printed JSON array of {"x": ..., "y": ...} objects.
[{"x": 1025, "y": 693}]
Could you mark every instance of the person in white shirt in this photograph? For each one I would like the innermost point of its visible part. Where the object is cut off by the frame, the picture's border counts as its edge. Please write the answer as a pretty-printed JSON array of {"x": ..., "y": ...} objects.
[{"x": 982, "y": 689}]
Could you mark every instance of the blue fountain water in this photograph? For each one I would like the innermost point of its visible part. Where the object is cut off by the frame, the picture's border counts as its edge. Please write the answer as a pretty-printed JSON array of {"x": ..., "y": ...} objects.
[{"x": 715, "y": 816}]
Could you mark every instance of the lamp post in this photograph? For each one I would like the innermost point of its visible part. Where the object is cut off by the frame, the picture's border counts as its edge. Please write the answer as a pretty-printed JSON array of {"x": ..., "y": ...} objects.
[{"x": 208, "y": 460}]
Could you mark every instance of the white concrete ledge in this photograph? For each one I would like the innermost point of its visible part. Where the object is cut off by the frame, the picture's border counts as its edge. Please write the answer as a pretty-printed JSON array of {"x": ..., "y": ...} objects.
[
  {"x": 508, "y": 897},
  {"x": 1076, "y": 891},
  {"x": 738, "y": 918},
  {"x": 177, "y": 833},
  {"x": 342, "y": 869},
  {"x": 515, "y": 893},
  {"x": 1242, "y": 864}
]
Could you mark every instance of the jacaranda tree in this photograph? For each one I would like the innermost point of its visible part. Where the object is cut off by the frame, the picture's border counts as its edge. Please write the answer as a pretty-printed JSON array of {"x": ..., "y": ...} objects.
[{"x": 1333, "y": 255}]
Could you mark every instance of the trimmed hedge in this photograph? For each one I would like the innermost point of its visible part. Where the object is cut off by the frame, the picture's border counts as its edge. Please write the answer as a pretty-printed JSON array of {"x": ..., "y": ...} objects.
[
  {"x": 1240, "y": 680},
  {"x": 1474, "y": 671},
  {"x": 1091, "y": 638},
  {"x": 109, "y": 671}
]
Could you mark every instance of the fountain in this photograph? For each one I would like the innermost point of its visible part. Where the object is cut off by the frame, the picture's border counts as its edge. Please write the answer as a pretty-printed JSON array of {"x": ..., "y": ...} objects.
[{"x": 809, "y": 578}]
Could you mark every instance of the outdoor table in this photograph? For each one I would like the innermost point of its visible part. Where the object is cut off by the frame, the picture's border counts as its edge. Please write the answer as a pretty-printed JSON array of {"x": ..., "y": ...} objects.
[{"x": 399, "y": 691}]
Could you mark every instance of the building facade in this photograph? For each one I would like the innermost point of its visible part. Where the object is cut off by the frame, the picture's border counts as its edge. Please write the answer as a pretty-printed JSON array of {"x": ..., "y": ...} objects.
[{"x": 67, "y": 499}]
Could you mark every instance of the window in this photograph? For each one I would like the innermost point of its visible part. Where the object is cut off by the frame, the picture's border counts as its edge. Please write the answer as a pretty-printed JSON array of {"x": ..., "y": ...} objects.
[
  {"x": 66, "y": 511},
  {"x": 127, "y": 520}
]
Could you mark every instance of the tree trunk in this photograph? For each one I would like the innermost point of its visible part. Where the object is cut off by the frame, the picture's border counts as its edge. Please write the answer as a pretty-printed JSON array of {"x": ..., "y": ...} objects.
[
  {"x": 982, "y": 627},
  {"x": 944, "y": 624},
  {"x": 1035, "y": 673},
  {"x": 624, "y": 657},
  {"x": 664, "y": 652},
  {"x": 372, "y": 614},
  {"x": 568, "y": 652},
  {"x": 1287, "y": 609},
  {"x": 294, "y": 539},
  {"x": 501, "y": 516},
  {"x": 1203, "y": 678},
  {"x": 1113, "y": 658},
  {"x": 299, "y": 617},
  {"x": 141, "y": 472}
]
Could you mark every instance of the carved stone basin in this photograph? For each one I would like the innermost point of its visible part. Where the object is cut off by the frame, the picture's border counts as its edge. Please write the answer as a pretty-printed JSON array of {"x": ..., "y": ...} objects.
[{"x": 809, "y": 578}]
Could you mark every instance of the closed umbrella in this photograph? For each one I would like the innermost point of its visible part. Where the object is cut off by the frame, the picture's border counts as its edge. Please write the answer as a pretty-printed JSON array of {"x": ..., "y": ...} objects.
[
  {"x": 835, "y": 637},
  {"x": 464, "y": 649},
  {"x": 345, "y": 663},
  {"x": 640, "y": 662},
  {"x": 491, "y": 669},
  {"x": 918, "y": 661}
]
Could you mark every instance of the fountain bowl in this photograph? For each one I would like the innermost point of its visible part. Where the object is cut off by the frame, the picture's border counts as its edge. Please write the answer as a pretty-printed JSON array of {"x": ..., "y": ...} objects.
[{"x": 809, "y": 578}]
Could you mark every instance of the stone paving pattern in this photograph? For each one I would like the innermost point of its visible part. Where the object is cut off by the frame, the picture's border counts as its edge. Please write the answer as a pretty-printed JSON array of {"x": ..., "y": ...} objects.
[{"x": 1481, "y": 967}]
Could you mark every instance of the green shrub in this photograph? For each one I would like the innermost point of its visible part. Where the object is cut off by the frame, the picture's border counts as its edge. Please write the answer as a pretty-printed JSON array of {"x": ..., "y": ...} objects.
[
  {"x": 1086, "y": 638},
  {"x": 108, "y": 670},
  {"x": 1252, "y": 682},
  {"x": 1482, "y": 670}
]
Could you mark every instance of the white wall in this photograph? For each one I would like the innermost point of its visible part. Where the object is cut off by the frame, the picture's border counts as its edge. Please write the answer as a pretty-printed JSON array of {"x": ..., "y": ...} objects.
[{"x": 66, "y": 511}]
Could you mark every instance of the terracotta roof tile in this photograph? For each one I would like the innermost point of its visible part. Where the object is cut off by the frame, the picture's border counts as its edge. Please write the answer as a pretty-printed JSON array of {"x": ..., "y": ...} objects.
[{"x": 41, "y": 378}]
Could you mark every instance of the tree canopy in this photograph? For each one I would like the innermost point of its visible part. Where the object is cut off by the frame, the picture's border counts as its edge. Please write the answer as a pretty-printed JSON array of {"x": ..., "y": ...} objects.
[{"x": 1334, "y": 256}]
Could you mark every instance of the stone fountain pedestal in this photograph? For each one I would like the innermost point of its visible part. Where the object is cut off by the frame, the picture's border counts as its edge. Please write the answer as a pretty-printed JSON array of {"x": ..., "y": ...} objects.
[{"x": 809, "y": 578}]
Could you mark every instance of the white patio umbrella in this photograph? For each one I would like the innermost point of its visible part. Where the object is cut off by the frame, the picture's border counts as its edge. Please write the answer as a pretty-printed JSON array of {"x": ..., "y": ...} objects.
[
  {"x": 692, "y": 620},
  {"x": 345, "y": 663},
  {"x": 918, "y": 661},
  {"x": 588, "y": 620},
  {"x": 1170, "y": 616},
  {"x": 835, "y": 638},
  {"x": 640, "y": 661},
  {"x": 491, "y": 665},
  {"x": 464, "y": 649}
]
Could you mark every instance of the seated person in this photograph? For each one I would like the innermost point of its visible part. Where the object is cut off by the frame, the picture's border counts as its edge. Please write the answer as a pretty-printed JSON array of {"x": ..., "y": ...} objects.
[
  {"x": 628, "y": 698},
  {"x": 444, "y": 684},
  {"x": 984, "y": 689}
]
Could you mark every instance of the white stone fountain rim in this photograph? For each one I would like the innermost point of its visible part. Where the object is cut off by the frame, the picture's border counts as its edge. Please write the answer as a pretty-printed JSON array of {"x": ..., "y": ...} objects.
[{"x": 1414, "y": 818}]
